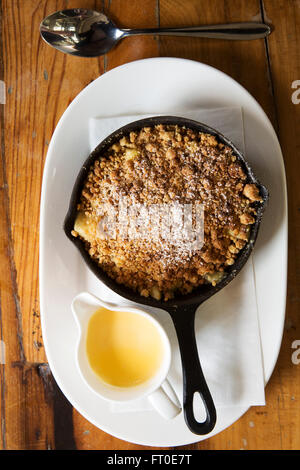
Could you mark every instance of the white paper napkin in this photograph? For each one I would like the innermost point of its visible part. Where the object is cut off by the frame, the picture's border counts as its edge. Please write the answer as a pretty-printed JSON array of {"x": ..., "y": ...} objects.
[{"x": 227, "y": 328}]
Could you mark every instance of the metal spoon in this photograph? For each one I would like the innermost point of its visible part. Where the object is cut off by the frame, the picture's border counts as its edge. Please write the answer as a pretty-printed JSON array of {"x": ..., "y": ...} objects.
[{"x": 88, "y": 33}]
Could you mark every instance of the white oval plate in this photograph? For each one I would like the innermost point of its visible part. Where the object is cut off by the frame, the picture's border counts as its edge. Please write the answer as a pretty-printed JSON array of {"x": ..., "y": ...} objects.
[{"x": 157, "y": 85}]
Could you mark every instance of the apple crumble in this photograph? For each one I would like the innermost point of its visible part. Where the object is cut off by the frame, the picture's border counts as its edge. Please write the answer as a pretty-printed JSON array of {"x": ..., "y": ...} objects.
[{"x": 173, "y": 167}]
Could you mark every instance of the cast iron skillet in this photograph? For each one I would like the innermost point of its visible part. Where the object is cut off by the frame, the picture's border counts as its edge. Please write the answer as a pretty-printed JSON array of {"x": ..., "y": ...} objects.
[{"x": 182, "y": 308}]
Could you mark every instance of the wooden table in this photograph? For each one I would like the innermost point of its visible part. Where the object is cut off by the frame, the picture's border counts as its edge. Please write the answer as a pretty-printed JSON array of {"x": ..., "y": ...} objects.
[{"x": 40, "y": 83}]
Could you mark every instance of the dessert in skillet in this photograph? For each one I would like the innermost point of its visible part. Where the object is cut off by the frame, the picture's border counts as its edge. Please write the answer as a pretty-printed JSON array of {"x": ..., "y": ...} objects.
[{"x": 144, "y": 197}]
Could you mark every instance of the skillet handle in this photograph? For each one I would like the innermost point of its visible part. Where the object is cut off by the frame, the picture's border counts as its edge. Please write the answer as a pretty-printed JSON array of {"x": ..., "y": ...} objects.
[{"x": 193, "y": 378}]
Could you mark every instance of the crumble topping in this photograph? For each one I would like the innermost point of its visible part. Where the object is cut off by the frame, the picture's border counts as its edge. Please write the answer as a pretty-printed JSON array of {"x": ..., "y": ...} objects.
[{"x": 170, "y": 166}]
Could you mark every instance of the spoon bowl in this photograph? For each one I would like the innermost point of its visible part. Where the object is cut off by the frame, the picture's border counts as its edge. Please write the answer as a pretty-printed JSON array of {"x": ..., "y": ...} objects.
[
  {"x": 80, "y": 32},
  {"x": 88, "y": 33}
]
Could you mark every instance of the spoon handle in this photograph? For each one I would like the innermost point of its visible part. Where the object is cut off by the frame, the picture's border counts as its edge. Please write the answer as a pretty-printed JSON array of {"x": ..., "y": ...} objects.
[{"x": 239, "y": 31}]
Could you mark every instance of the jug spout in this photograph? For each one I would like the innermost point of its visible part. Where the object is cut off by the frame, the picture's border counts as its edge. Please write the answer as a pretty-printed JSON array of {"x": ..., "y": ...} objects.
[{"x": 83, "y": 306}]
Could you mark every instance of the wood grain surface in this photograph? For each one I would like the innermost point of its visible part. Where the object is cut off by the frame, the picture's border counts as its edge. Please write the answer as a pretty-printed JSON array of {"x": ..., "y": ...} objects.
[{"x": 40, "y": 83}]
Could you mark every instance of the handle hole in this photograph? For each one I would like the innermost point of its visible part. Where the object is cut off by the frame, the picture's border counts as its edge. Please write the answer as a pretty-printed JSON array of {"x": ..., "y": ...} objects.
[{"x": 199, "y": 409}]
